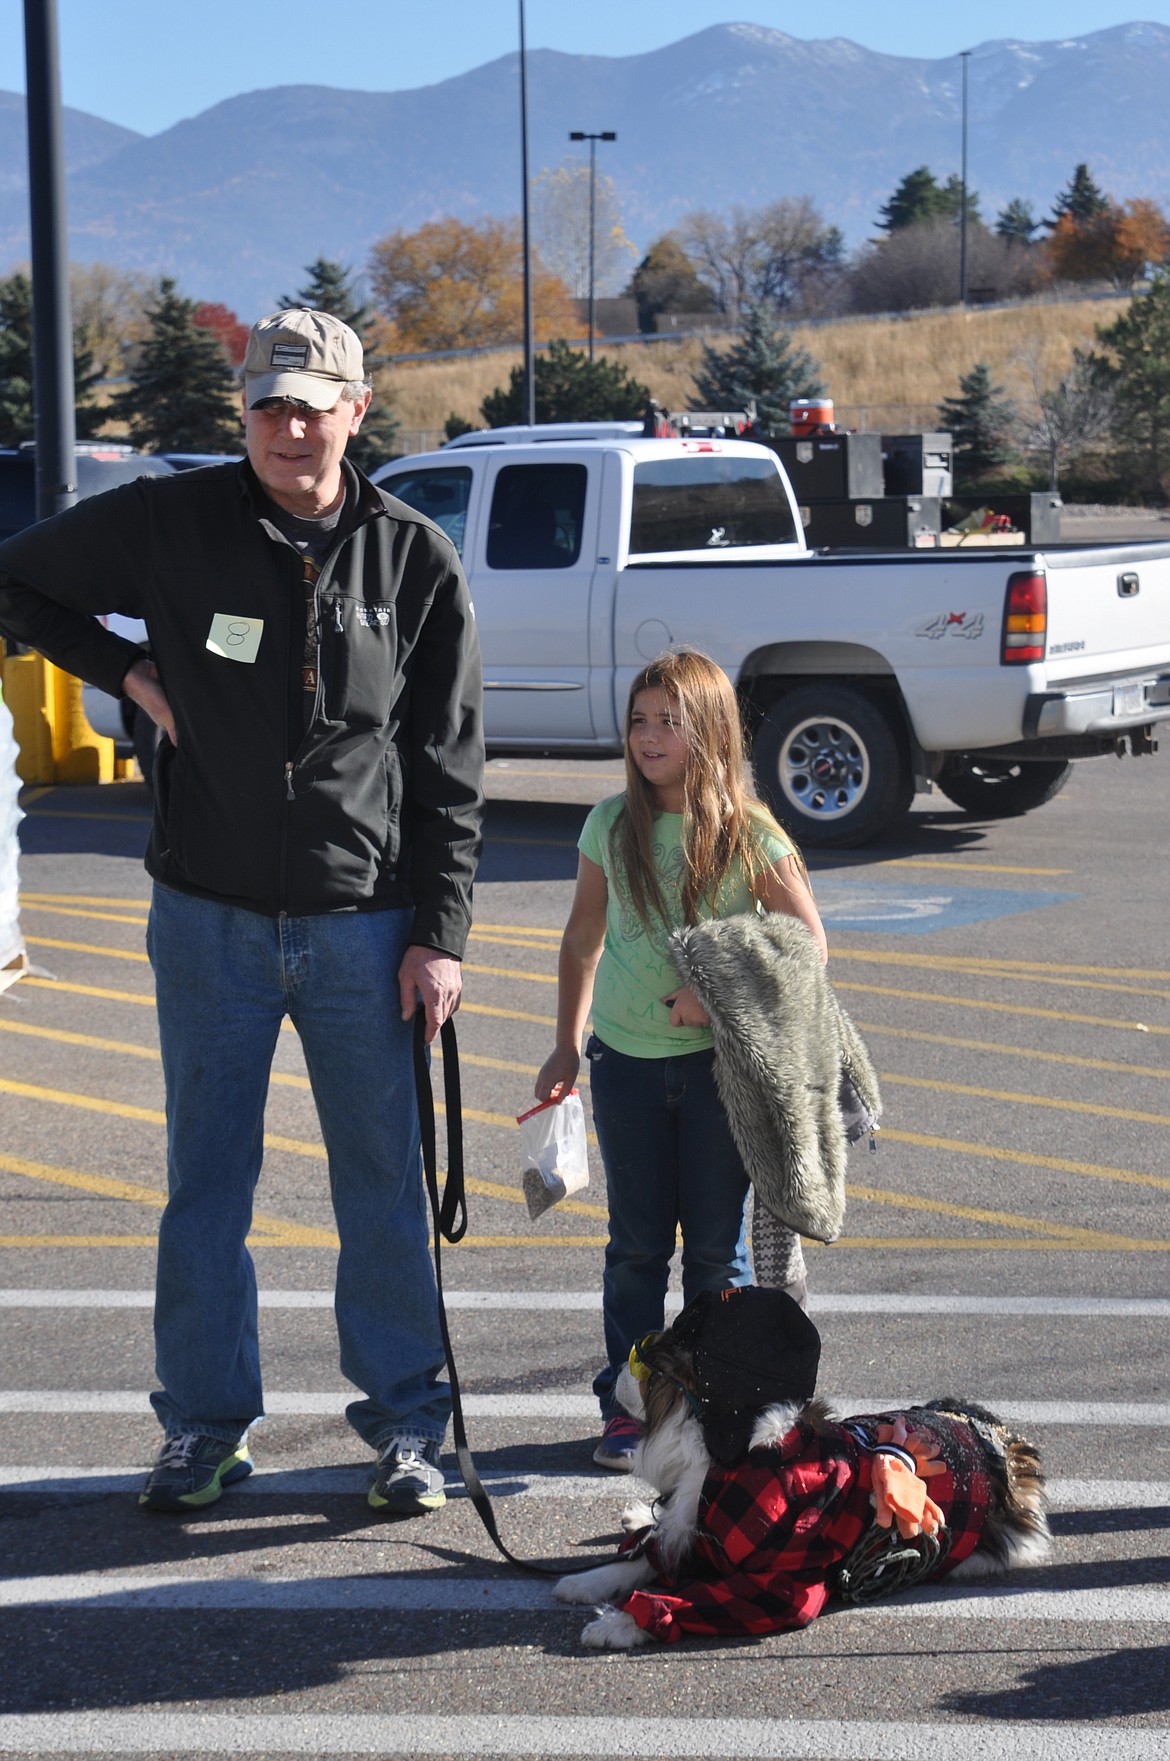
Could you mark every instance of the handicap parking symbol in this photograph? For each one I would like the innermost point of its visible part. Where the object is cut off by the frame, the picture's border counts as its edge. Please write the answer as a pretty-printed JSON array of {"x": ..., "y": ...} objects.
[{"x": 910, "y": 910}]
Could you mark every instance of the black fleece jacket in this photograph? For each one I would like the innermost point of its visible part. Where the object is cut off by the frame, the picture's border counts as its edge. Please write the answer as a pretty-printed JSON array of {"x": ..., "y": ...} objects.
[{"x": 379, "y": 805}]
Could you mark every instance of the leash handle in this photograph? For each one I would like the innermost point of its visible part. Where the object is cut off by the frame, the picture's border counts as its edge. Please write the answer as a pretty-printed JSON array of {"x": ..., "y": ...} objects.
[{"x": 450, "y": 1224}]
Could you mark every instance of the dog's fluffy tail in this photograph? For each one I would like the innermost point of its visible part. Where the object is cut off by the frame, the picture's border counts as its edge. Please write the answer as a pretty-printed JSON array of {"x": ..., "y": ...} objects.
[{"x": 1016, "y": 1532}]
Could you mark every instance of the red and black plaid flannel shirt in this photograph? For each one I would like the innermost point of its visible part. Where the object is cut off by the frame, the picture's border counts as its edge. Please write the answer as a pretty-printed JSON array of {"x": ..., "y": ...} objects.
[{"x": 773, "y": 1528}]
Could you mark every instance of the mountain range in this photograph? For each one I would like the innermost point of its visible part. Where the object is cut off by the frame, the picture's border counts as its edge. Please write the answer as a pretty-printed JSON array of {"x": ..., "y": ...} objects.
[{"x": 235, "y": 201}]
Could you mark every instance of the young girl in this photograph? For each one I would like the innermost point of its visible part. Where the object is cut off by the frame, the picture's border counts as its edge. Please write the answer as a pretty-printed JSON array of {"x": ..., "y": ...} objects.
[{"x": 686, "y": 840}]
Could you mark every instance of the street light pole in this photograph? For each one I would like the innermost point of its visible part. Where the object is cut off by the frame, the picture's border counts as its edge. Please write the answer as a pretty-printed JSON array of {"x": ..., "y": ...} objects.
[
  {"x": 54, "y": 418},
  {"x": 580, "y": 135},
  {"x": 529, "y": 353},
  {"x": 964, "y": 57}
]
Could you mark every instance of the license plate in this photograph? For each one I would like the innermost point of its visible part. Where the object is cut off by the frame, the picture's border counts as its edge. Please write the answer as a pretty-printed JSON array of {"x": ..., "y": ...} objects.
[{"x": 1129, "y": 699}]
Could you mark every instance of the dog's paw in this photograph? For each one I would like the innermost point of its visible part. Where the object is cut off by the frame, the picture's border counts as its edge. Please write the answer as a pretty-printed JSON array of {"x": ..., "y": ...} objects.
[
  {"x": 614, "y": 1630},
  {"x": 637, "y": 1516},
  {"x": 575, "y": 1588},
  {"x": 603, "y": 1582}
]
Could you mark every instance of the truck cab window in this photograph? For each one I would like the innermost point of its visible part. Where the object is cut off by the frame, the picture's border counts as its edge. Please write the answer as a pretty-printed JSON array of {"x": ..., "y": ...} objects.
[
  {"x": 442, "y": 495},
  {"x": 713, "y": 503},
  {"x": 536, "y": 517}
]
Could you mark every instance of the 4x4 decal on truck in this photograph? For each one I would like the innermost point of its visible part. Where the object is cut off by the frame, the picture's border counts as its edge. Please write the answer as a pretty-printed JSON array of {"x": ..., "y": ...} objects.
[{"x": 956, "y": 623}]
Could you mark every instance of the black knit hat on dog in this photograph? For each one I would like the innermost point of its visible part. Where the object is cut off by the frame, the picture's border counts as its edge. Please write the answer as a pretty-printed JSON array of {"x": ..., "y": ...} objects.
[{"x": 752, "y": 1348}]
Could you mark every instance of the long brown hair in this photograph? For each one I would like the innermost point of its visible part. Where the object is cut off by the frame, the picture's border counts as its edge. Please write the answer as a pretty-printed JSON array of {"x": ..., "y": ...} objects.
[{"x": 720, "y": 810}]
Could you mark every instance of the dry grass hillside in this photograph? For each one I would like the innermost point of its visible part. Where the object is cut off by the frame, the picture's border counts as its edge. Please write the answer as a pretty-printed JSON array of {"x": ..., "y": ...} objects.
[{"x": 883, "y": 373}]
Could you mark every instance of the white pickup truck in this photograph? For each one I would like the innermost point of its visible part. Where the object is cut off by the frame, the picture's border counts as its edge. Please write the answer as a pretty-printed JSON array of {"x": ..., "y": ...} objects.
[{"x": 864, "y": 676}]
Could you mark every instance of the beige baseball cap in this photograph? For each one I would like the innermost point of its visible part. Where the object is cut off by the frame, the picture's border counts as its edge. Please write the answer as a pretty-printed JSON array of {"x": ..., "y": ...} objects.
[{"x": 303, "y": 354}]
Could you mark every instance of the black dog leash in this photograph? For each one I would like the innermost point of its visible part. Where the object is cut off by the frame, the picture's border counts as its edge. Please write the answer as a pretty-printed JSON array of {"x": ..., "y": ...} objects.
[{"x": 450, "y": 1224}]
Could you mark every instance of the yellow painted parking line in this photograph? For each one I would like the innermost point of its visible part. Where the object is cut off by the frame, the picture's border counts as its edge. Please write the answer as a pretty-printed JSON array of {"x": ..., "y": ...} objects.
[
  {"x": 62, "y": 1036},
  {"x": 511, "y": 972},
  {"x": 1096, "y": 1109},
  {"x": 286, "y": 1079},
  {"x": 999, "y": 967},
  {"x": 1063, "y": 1232},
  {"x": 984, "y": 1243},
  {"x": 509, "y": 1195},
  {"x": 267, "y": 1231},
  {"x": 1027, "y": 1159},
  {"x": 1031, "y": 1010},
  {"x": 520, "y": 929},
  {"x": 87, "y": 948},
  {"x": 1011, "y": 1051},
  {"x": 83, "y": 911},
  {"x": 91, "y": 990},
  {"x": 971, "y": 868},
  {"x": 84, "y": 899},
  {"x": 127, "y": 1048},
  {"x": 82, "y": 1241}
]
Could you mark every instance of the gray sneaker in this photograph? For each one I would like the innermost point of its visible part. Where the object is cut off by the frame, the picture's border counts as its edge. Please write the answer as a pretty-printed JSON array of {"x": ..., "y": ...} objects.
[
  {"x": 192, "y": 1469},
  {"x": 408, "y": 1481}
]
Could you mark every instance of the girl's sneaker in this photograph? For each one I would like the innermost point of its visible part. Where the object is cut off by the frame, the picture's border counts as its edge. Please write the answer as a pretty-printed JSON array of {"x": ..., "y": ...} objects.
[{"x": 619, "y": 1440}]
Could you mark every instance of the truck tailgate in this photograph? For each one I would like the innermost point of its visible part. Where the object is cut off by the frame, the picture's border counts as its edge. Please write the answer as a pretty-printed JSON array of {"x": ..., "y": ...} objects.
[{"x": 1108, "y": 610}]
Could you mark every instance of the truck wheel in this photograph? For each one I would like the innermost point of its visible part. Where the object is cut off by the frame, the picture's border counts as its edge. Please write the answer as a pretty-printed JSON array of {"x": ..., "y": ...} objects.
[
  {"x": 831, "y": 766},
  {"x": 1001, "y": 788}
]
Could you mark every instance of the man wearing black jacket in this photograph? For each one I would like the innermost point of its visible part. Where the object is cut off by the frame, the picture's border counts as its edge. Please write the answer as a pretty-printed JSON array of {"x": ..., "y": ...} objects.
[{"x": 318, "y": 788}]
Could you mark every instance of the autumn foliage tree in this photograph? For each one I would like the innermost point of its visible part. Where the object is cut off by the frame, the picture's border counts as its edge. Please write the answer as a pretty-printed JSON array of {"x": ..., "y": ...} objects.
[
  {"x": 228, "y": 330},
  {"x": 456, "y": 284},
  {"x": 1112, "y": 243}
]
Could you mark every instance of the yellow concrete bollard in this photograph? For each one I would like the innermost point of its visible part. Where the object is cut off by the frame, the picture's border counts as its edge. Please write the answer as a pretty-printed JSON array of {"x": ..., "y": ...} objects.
[{"x": 57, "y": 744}]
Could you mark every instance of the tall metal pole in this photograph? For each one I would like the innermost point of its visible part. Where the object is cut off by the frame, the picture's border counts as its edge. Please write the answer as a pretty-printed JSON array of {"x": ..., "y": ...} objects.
[
  {"x": 965, "y": 56},
  {"x": 578, "y": 134},
  {"x": 592, "y": 230},
  {"x": 53, "y": 392},
  {"x": 529, "y": 357}
]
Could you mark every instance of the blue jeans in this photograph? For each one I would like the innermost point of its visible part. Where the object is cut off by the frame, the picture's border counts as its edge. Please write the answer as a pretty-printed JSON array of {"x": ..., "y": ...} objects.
[
  {"x": 225, "y": 979},
  {"x": 670, "y": 1163}
]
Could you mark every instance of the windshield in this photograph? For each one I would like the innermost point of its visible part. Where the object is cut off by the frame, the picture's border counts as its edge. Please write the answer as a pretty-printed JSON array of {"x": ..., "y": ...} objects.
[
  {"x": 441, "y": 494},
  {"x": 708, "y": 502}
]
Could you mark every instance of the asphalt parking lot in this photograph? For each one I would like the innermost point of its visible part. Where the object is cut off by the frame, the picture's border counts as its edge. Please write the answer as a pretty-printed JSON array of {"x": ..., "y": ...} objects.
[{"x": 1010, "y": 1240}]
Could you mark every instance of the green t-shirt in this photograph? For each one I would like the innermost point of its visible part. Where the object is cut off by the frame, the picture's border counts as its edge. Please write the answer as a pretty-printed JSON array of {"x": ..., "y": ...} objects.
[{"x": 636, "y": 971}]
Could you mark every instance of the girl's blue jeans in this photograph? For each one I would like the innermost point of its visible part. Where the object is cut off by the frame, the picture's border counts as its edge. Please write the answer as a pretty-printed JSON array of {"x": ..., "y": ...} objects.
[
  {"x": 670, "y": 1163},
  {"x": 225, "y": 979}
]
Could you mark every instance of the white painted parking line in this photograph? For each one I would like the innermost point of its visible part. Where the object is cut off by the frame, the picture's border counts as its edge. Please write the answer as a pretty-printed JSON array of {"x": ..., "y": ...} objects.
[
  {"x": 537, "y": 1301},
  {"x": 688, "y": 1739},
  {"x": 404, "y": 1593},
  {"x": 288, "y": 1404},
  {"x": 500, "y": 1483}
]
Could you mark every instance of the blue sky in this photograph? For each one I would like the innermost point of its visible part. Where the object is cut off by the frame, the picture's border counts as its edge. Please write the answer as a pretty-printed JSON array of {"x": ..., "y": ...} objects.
[{"x": 148, "y": 63}]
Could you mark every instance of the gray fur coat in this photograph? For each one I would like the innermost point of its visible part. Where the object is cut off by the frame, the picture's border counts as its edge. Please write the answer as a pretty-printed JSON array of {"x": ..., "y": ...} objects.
[{"x": 786, "y": 1054}]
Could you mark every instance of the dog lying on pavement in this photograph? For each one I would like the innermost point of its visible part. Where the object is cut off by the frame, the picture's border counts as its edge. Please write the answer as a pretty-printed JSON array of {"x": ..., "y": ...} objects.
[{"x": 768, "y": 1506}]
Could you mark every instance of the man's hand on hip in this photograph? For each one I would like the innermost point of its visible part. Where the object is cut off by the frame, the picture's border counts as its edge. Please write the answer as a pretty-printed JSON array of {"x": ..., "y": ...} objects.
[
  {"x": 142, "y": 687},
  {"x": 433, "y": 979}
]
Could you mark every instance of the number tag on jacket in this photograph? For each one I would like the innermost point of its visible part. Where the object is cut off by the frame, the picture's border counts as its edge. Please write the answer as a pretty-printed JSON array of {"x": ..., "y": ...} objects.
[{"x": 235, "y": 638}]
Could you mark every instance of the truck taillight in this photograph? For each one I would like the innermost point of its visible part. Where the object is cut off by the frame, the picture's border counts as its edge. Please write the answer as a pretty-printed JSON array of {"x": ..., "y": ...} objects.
[{"x": 1025, "y": 619}]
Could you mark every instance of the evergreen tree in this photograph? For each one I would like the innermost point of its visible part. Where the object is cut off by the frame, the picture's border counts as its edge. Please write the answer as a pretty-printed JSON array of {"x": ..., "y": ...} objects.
[
  {"x": 981, "y": 419},
  {"x": 17, "y": 419},
  {"x": 1016, "y": 221},
  {"x": 950, "y": 201},
  {"x": 917, "y": 198},
  {"x": 569, "y": 388},
  {"x": 1081, "y": 201},
  {"x": 1138, "y": 369},
  {"x": 765, "y": 368},
  {"x": 182, "y": 395},
  {"x": 665, "y": 281},
  {"x": 330, "y": 288}
]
